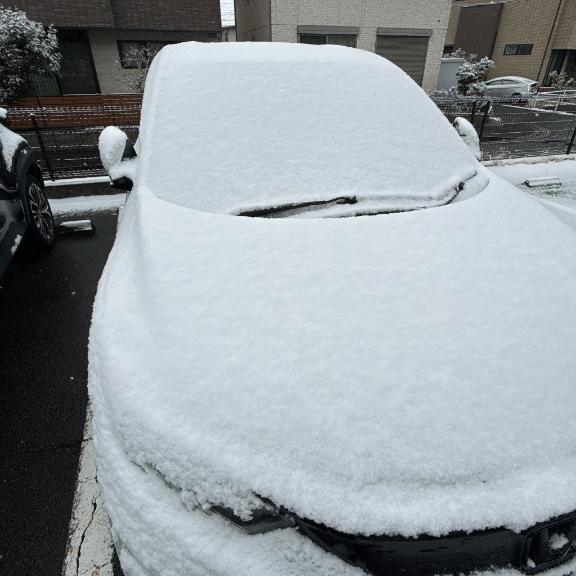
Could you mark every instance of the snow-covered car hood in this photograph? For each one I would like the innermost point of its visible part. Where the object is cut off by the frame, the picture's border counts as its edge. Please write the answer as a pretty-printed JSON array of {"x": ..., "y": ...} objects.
[{"x": 405, "y": 373}]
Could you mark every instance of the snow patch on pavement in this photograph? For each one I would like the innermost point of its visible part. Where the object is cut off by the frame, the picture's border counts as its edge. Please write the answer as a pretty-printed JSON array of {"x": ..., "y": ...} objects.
[
  {"x": 520, "y": 170},
  {"x": 77, "y": 181},
  {"x": 84, "y": 204}
]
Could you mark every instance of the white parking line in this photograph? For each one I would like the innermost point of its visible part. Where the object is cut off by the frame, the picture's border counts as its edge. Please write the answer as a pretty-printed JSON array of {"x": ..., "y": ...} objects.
[{"x": 90, "y": 548}]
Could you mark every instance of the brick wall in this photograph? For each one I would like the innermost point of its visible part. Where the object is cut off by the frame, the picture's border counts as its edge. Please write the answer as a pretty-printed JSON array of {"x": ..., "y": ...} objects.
[
  {"x": 67, "y": 13},
  {"x": 524, "y": 22},
  {"x": 453, "y": 24},
  {"x": 565, "y": 36},
  {"x": 143, "y": 14},
  {"x": 192, "y": 15}
]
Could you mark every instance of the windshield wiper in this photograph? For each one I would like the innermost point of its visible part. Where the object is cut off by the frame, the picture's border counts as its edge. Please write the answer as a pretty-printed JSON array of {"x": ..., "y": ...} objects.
[{"x": 286, "y": 209}]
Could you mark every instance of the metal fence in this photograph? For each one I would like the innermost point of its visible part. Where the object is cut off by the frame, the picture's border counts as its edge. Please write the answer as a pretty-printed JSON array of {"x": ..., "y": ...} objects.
[
  {"x": 66, "y": 138},
  {"x": 514, "y": 128}
]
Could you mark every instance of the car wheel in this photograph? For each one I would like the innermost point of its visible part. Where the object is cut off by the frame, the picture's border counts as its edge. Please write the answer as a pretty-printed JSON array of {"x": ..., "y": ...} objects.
[{"x": 41, "y": 232}]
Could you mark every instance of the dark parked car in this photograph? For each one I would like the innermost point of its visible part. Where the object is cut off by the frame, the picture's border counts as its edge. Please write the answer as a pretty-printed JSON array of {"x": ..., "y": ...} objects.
[{"x": 25, "y": 215}]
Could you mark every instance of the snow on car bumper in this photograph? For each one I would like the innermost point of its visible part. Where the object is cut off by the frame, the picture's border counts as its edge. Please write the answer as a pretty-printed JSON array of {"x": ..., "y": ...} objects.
[{"x": 157, "y": 536}]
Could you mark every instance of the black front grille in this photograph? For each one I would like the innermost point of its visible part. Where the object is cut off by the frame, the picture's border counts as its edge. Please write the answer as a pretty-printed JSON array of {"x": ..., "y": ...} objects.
[
  {"x": 457, "y": 553},
  {"x": 549, "y": 544}
]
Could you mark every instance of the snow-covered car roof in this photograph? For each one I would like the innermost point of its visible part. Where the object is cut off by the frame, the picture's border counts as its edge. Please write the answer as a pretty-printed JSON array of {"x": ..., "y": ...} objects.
[{"x": 239, "y": 126}]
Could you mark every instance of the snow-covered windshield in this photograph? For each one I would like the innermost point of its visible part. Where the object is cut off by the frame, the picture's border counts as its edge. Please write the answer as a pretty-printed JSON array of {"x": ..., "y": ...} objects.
[{"x": 242, "y": 127}]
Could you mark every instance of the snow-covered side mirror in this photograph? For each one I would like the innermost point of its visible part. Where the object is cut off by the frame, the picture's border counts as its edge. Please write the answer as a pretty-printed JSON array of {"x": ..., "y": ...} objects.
[
  {"x": 118, "y": 157},
  {"x": 469, "y": 135}
]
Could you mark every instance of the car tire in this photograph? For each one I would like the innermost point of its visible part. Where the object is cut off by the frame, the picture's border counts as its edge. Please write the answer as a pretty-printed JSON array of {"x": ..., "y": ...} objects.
[{"x": 41, "y": 232}]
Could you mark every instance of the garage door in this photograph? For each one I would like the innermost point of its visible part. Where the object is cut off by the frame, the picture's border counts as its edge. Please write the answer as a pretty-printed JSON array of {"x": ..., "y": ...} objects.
[{"x": 407, "y": 52}]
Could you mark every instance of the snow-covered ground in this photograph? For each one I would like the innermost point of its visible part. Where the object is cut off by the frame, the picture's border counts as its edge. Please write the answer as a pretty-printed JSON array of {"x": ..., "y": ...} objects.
[
  {"x": 76, "y": 181},
  {"x": 560, "y": 167},
  {"x": 83, "y": 204}
]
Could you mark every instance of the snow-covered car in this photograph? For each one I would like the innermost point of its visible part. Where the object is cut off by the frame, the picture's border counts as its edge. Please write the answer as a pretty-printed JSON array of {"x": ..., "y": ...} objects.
[
  {"x": 511, "y": 86},
  {"x": 328, "y": 341},
  {"x": 24, "y": 209}
]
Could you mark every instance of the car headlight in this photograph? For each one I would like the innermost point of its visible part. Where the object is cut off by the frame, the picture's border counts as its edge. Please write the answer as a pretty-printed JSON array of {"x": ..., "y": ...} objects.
[{"x": 263, "y": 519}]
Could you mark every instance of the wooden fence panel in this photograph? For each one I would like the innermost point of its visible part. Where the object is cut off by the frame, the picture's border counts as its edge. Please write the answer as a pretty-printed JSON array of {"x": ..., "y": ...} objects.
[{"x": 76, "y": 111}]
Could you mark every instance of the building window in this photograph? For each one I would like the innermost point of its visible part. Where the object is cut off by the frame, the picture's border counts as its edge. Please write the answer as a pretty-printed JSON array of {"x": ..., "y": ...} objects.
[
  {"x": 134, "y": 53},
  {"x": 338, "y": 39},
  {"x": 518, "y": 49}
]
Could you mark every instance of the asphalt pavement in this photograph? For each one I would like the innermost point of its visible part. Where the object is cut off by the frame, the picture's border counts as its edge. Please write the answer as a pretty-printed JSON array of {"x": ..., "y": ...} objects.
[{"x": 45, "y": 312}]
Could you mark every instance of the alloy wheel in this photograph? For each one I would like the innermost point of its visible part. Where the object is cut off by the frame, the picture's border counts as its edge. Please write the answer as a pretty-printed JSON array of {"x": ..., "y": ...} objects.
[{"x": 40, "y": 210}]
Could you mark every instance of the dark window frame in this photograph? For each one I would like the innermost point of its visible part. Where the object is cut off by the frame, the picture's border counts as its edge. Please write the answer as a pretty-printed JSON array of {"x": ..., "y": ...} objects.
[
  {"x": 72, "y": 34},
  {"x": 144, "y": 43},
  {"x": 518, "y": 49},
  {"x": 556, "y": 63},
  {"x": 326, "y": 36}
]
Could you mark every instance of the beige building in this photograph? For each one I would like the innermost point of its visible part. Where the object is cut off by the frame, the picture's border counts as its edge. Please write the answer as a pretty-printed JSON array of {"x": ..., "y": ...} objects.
[
  {"x": 411, "y": 33},
  {"x": 529, "y": 38},
  {"x": 104, "y": 43}
]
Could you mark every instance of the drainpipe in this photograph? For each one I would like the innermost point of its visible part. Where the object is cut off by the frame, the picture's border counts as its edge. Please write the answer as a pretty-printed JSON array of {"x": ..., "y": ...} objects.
[{"x": 552, "y": 30}]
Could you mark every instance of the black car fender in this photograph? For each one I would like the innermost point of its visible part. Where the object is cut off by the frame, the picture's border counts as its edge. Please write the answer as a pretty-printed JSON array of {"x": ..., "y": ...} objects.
[
  {"x": 12, "y": 178},
  {"x": 26, "y": 164}
]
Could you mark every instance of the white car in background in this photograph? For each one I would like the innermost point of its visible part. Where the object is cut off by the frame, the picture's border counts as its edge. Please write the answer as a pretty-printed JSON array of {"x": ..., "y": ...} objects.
[
  {"x": 328, "y": 341},
  {"x": 511, "y": 86}
]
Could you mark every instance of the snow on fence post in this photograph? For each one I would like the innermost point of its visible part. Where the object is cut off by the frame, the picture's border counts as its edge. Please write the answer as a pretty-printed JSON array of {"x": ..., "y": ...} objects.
[
  {"x": 42, "y": 147},
  {"x": 473, "y": 113},
  {"x": 487, "y": 109}
]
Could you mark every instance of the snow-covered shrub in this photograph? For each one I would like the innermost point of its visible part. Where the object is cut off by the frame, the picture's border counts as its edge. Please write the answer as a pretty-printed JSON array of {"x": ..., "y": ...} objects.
[
  {"x": 452, "y": 91},
  {"x": 471, "y": 77},
  {"x": 561, "y": 81},
  {"x": 26, "y": 48},
  {"x": 140, "y": 57},
  {"x": 459, "y": 53}
]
